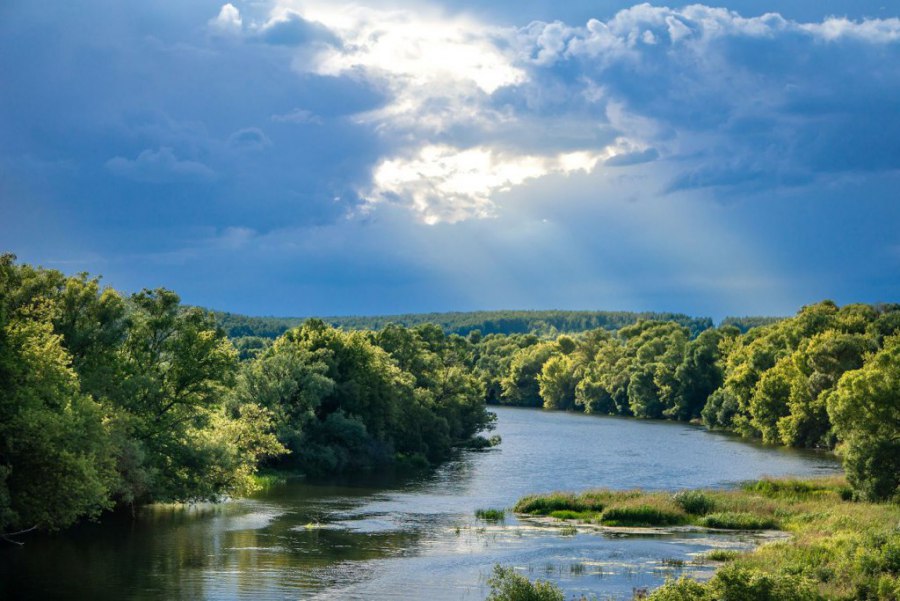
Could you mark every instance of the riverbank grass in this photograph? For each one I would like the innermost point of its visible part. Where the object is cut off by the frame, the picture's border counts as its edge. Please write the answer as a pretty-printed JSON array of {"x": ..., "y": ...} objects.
[
  {"x": 490, "y": 515},
  {"x": 838, "y": 549}
]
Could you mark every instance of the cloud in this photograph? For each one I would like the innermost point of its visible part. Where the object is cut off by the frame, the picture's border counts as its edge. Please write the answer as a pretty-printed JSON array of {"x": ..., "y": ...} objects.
[
  {"x": 228, "y": 20},
  {"x": 290, "y": 29},
  {"x": 160, "y": 166},
  {"x": 732, "y": 101},
  {"x": 249, "y": 139},
  {"x": 298, "y": 116},
  {"x": 447, "y": 184}
]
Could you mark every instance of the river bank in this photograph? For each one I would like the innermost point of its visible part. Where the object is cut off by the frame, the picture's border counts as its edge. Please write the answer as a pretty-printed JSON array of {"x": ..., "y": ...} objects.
[{"x": 836, "y": 548}]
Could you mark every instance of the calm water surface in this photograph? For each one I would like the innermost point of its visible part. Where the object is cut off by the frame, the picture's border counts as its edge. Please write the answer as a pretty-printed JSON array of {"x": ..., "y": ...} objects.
[{"x": 412, "y": 538}]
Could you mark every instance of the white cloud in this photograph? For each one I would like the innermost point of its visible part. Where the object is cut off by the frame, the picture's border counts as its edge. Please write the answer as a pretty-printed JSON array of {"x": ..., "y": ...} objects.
[
  {"x": 448, "y": 184},
  {"x": 228, "y": 20},
  {"x": 472, "y": 110}
]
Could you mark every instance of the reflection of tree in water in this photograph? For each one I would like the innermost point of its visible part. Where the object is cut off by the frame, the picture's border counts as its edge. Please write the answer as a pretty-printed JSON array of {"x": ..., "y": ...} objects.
[{"x": 203, "y": 551}]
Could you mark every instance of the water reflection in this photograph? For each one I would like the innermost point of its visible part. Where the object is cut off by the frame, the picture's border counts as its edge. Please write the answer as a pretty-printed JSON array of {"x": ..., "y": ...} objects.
[{"x": 392, "y": 537}]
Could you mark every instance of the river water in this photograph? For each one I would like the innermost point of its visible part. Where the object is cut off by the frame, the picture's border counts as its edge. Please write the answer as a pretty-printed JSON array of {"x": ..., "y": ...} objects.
[{"x": 413, "y": 538}]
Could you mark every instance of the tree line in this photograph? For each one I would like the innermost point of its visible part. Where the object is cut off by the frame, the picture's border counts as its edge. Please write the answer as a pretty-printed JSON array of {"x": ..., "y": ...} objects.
[
  {"x": 542, "y": 323},
  {"x": 828, "y": 378},
  {"x": 110, "y": 400}
]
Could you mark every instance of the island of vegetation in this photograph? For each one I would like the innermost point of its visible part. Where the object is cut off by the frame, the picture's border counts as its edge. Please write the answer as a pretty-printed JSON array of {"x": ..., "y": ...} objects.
[
  {"x": 838, "y": 547},
  {"x": 112, "y": 400}
]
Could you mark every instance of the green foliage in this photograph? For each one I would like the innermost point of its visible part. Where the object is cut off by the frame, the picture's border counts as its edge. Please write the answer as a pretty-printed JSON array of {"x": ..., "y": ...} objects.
[
  {"x": 508, "y": 585},
  {"x": 837, "y": 550},
  {"x": 683, "y": 589},
  {"x": 722, "y": 555},
  {"x": 733, "y": 520},
  {"x": 694, "y": 502},
  {"x": 865, "y": 410},
  {"x": 589, "y": 502},
  {"x": 485, "y": 323},
  {"x": 349, "y": 401},
  {"x": 641, "y": 515},
  {"x": 521, "y": 385},
  {"x": 491, "y": 515}
]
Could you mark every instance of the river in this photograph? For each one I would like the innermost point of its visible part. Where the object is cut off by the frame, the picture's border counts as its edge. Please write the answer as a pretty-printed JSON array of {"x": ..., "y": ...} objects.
[{"x": 412, "y": 538}]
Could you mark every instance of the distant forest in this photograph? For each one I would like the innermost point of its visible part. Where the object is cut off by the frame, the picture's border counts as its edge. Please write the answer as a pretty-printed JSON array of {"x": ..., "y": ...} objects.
[{"x": 543, "y": 323}]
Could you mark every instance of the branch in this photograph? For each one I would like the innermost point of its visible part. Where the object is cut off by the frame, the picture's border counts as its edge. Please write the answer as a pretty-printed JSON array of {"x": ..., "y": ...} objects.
[{"x": 6, "y": 535}]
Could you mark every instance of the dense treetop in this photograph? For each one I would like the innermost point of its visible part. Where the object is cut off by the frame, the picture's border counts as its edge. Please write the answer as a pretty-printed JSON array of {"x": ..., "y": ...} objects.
[{"x": 546, "y": 323}]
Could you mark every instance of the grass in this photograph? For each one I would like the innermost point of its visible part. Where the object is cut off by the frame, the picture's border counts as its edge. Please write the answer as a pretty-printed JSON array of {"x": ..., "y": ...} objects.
[
  {"x": 266, "y": 480},
  {"x": 839, "y": 548},
  {"x": 650, "y": 513},
  {"x": 737, "y": 520},
  {"x": 491, "y": 515},
  {"x": 722, "y": 555}
]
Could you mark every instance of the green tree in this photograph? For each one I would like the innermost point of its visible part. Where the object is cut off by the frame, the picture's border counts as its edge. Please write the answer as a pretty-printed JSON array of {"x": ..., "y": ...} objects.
[
  {"x": 55, "y": 460},
  {"x": 520, "y": 385},
  {"x": 557, "y": 382},
  {"x": 865, "y": 411}
]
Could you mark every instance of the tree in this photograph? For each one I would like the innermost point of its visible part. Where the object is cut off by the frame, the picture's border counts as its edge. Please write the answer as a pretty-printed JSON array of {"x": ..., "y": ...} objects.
[
  {"x": 520, "y": 385},
  {"x": 557, "y": 382},
  {"x": 167, "y": 413},
  {"x": 55, "y": 460},
  {"x": 865, "y": 411}
]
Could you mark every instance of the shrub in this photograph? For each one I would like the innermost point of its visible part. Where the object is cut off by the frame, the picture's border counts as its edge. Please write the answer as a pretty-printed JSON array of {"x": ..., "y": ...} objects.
[
  {"x": 508, "y": 585},
  {"x": 744, "y": 584},
  {"x": 694, "y": 502},
  {"x": 682, "y": 589}
]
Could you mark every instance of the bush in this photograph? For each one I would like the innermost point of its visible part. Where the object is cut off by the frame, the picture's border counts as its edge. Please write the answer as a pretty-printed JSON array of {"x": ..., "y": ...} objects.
[
  {"x": 731, "y": 520},
  {"x": 682, "y": 589},
  {"x": 694, "y": 502},
  {"x": 733, "y": 583},
  {"x": 508, "y": 585}
]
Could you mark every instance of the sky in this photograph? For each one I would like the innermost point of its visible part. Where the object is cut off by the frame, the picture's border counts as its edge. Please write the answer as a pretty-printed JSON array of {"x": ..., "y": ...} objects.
[{"x": 321, "y": 157}]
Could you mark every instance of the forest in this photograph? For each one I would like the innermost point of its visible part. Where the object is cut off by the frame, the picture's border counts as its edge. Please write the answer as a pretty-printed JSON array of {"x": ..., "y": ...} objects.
[
  {"x": 112, "y": 400},
  {"x": 544, "y": 323}
]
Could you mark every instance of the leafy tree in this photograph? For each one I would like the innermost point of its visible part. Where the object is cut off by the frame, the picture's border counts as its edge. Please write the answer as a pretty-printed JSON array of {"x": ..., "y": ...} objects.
[
  {"x": 55, "y": 461},
  {"x": 557, "y": 382},
  {"x": 520, "y": 385},
  {"x": 865, "y": 411}
]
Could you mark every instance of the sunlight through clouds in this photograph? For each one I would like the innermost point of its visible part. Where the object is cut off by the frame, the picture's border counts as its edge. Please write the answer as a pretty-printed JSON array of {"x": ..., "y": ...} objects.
[{"x": 447, "y": 184}]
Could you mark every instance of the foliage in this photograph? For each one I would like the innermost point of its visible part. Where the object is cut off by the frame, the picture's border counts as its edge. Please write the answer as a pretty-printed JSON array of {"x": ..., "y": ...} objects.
[
  {"x": 734, "y": 520},
  {"x": 694, "y": 502},
  {"x": 508, "y": 585},
  {"x": 838, "y": 549},
  {"x": 345, "y": 401},
  {"x": 865, "y": 410},
  {"x": 490, "y": 515},
  {"x": 485, "y": 323}
]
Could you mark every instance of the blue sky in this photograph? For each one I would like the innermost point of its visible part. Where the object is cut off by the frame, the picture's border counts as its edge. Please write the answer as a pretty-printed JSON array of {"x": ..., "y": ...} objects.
[{"x": 296, "y": 157}]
